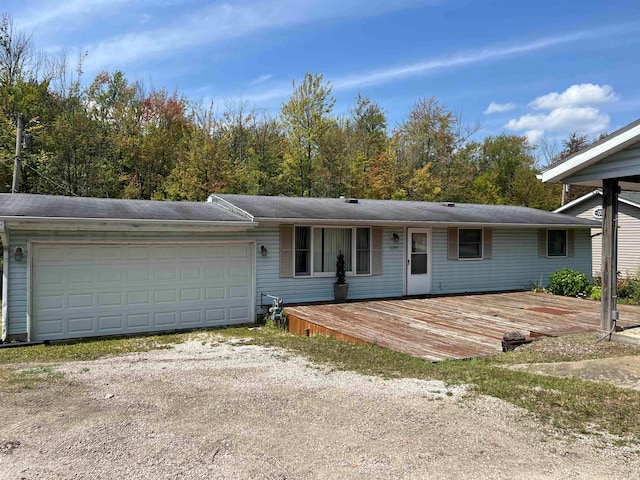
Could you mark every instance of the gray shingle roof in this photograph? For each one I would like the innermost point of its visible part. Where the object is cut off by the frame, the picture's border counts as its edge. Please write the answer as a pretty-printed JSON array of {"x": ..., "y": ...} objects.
[
  {"x": 52, "y": 206},
  {"x": 394, "y": 211}
]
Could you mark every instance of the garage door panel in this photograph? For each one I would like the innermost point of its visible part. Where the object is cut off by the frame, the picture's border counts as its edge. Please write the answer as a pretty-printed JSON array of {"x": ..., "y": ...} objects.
[
  {"x": 140, "y": 320},
  {"x": 164, "y": 296},
  {"x": 191, "y": 295},
  {"x": 238, "y": 292},
  {"x": 51, "y": 327},
  {"x": 81, "y": 326},
  {"x": 138, "y": 276},
  {"x": 214, "y": 293},
  {"x": 165, "y": 253},
  {"x": 138, "y": 253},
  {"x": 165, "y": 319},
  {"x": 83, "y": 300},
  {"x": 164, "y": 273},
  {"x": 111, "y": 323},
  {"x": 238, "y": 313},
  {"x": 193, "y": 272},
  {"x": 213, "y": 273},
  {"x": 138, "y": 298},
  {"x": 109, "y": 275},
  {"x": 138, "y": 288},
  {"x": 50, "y": 302},
  {"x": 191, "y": 317}
]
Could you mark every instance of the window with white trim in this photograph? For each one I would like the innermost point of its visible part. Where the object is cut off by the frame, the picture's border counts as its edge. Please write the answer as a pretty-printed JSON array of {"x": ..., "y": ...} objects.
[
  {"x": 556, "y": 243},
  {"x": 317, "y": 249},
  {"x": 469, "y": 243}
]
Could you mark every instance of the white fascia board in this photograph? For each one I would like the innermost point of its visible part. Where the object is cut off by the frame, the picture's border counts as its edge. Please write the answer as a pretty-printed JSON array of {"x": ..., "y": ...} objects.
[
  {"x": 628, "y": 202},
  {"x": 591, "y": 156},
  {"x": 230, "y": 207},
  {"x": 117, "y": 224},
  {"x": 577, "y": 201},
  {"x": 588, "y": 196},
  {"x": 418, "y": 224}
]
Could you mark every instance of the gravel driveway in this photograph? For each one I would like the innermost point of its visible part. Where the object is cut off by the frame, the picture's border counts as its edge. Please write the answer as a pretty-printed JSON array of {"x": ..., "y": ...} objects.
[{"x": 241, "y": 411}]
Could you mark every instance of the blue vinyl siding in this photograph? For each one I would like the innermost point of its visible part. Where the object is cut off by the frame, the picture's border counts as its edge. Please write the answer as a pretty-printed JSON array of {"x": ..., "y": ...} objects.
[
  {"x": 515, "y": 265},
  {"x": 313, "y": 289},
  {"x": 17, "y": 292}
]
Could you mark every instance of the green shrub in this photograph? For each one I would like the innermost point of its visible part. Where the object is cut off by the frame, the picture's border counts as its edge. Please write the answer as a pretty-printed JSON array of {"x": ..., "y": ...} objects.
[
  {"x": 628, "y": 289},
  {"x": 596, "y": 293},
  {"x": 569, "y": 283}
]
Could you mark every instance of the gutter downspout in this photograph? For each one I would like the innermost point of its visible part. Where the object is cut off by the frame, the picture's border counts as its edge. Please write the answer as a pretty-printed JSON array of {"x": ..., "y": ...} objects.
[{"x": 4, "y": 236}]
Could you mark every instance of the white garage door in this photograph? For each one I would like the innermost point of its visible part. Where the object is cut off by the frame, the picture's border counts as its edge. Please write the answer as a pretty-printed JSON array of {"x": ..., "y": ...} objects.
[{"x": 82, "y": 290}]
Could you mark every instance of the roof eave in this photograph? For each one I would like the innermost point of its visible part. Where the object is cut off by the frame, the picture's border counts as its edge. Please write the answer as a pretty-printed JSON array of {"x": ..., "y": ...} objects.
[
  {"x": 590, "y": 156},
  {"x": 118, "y": 224},
  {"x": 419, "y": 223}
]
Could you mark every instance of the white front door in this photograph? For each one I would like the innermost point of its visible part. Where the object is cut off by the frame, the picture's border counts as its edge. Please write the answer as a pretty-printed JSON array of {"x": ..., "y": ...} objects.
[{"x": 418, "y": 261}]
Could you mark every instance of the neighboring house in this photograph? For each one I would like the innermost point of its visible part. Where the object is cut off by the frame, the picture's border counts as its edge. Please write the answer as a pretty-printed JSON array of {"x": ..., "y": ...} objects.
[
  {"x": 590, "y": 206},
  {"x": 79, "y": 267}
]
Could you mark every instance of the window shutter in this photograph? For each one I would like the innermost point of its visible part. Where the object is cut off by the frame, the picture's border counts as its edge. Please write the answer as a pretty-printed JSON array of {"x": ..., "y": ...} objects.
[
  {"x": 286, "y": 251},
  {"x": 376, "y": 251},
  {"x": 487, "y": 235},
  {"x": 452, "y": 241},
  {"x": 542, "y": 242},
  {"x": 570, "y": 242}
]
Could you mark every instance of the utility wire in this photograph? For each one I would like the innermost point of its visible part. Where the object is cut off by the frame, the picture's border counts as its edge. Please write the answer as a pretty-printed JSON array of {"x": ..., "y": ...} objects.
[{"x": 50, "y": 180}]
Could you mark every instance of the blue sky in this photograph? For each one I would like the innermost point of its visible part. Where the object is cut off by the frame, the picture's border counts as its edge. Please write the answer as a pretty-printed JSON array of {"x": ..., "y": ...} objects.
[{"x": 542, "y": 68}]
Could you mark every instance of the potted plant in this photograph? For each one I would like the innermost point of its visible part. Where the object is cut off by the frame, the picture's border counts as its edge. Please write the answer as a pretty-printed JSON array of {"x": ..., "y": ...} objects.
[{"x": 340, "y": 287}]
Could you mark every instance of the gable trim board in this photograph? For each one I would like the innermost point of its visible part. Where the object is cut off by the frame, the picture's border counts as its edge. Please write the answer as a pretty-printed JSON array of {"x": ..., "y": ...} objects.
[
  {"x": 586, "y": 197},
  {"x": 606, "y": 147}
]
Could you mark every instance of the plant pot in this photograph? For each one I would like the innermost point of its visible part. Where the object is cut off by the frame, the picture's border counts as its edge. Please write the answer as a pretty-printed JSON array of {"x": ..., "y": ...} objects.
[{"x": 340, "y": 291}]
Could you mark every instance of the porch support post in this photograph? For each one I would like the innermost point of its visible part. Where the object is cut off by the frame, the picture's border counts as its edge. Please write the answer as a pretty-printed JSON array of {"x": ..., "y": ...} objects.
[{"x": 609, "y": 266}]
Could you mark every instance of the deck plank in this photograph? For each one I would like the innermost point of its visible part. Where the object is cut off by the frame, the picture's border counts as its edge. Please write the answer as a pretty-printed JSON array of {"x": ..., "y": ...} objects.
[{"x": 453, "y": 327}]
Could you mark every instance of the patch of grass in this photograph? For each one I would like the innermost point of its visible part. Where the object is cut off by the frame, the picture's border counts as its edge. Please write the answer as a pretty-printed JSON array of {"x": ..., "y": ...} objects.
[
  {"x": 88, "y": 349},
  {"x": 573, "y": 404},
  {"x": 567, "y": 348},
  {"x": 28, "y": 378}
]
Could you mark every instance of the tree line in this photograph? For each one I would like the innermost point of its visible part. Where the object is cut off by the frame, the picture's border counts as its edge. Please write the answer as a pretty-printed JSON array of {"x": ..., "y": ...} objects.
[{"x": 113, "y": 137}]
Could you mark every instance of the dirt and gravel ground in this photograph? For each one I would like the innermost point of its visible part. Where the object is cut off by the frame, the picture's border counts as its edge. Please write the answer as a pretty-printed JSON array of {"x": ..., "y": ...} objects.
[{"x": 242, "y": 411}]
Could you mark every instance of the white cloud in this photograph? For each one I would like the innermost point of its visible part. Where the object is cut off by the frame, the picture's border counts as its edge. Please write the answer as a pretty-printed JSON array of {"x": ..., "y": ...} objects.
[
  {"x": 500, "y": 107},
  {"x": 52, "y": 12},
  {"x": 221, "y": 22},
  {"x": 576, "y": 95},
  {"x": 378, "y": 77},
  {"x": 534, "y": 136},
  {"x": 577, "y": 109},
  {"x": 261, "y": 79},
  {"x": 588, "y": 120}
]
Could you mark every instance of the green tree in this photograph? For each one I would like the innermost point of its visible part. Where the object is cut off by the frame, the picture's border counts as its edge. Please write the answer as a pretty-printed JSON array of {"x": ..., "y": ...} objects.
[{"x": 305, "y": 119}]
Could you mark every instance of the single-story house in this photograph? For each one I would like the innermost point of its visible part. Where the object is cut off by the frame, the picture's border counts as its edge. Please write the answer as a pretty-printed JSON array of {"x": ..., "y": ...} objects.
[
  {"x": 590, "y": 206},
  {"x": 79, "y": 267}
]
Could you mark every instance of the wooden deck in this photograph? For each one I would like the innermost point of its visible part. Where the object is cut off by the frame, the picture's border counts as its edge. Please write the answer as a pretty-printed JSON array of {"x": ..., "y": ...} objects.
[{"x": 449, "y": 327}]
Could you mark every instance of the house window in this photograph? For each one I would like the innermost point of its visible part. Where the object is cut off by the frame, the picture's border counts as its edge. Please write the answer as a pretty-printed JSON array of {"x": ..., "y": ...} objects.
[
  {"x": 556, "y": 243},
  {"x": 303, "y": 251},
  {"x": 363, "y": 251},
  {"x": 327, "y": 244},
  {"x": 469, "y": 243},
  {"x": 317, "y": 249}
]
